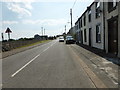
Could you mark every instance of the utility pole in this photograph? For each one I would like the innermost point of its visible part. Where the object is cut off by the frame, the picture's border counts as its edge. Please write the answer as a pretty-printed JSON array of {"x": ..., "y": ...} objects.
[
  {"x": 71, "y": 16},
  {"x": 42, "y": 30},
  {"x": 65, "y": 29}
]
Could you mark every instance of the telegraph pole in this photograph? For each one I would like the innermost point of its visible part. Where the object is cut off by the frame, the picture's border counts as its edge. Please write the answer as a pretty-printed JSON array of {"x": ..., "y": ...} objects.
[
  {"x": 65, "y": 29},
  {"x": 42, "y": 30},
  {"x": 71, "y": 17}
]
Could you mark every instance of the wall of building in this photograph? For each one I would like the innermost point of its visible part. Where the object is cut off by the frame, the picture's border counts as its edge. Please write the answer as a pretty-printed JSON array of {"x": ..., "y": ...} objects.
[
  {"x": 83, "y": 29},
  {"x": 78, "y": 36},
  {"x": 108, "y": 16},
  {"x": 92, "y": 25},
  {"x": 103, "y": 21}
]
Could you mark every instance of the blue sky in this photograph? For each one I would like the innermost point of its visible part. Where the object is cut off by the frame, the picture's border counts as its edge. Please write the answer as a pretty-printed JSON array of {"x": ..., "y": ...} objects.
[{"x": 25, "y": 19}]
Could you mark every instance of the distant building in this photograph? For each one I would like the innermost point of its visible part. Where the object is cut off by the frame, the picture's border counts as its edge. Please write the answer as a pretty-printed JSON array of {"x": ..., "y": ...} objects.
[
  {"x": 38, "y": 37},
  {"x": 45, "y": 37}
]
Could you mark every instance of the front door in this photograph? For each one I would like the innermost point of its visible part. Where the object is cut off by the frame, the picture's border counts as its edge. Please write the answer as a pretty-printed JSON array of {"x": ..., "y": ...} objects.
[
  {"x": 113, "y": 36},
  {"x": 89, "y": 36},
  {"x": 81, "y": 37}
]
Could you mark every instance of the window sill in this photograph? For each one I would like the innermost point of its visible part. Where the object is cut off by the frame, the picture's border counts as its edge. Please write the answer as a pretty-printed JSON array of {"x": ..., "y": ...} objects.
[{"x": 112, "y": 9}]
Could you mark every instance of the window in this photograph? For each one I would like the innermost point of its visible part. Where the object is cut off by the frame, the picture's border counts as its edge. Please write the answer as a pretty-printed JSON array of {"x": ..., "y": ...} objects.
[
  {"x": 98, "y": 34},
  {"x": 89, "y": 15},
  {"x": 112, "y": 5},
  {"x": 77, "y": 26},
  {"x": 85, "y": 36},
  {"x": 84, "y": 20},
  {"x": 98, "y": 4},
  {"x": 81, "y": 22},
  {"x": 97, "y": 9}
]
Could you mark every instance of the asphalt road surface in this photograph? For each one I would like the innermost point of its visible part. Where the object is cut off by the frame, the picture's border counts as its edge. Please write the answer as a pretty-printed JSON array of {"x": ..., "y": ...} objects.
[{"x": 52, "y": 65}]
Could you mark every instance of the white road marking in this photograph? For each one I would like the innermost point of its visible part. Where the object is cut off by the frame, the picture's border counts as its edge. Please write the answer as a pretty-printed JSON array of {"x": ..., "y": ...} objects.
[
  {"x": 30, "y": 61},
  {"x": 25, "y": 65},
  {"x": 46, "y": 49},
  {"x": 53, "y": 44}
]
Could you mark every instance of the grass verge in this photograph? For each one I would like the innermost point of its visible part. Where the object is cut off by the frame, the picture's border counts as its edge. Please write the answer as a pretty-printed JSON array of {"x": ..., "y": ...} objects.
[{"x": 33, "y": 44}]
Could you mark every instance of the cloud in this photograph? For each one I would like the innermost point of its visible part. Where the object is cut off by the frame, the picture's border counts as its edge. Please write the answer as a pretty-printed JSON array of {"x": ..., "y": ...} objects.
[
  {"x": 17, "y": 0},
  {"x": 9, "y": 22},
  {"x": 47, "y": 0},
  {"x": 49, "y": 22},
  {"x": 20, "y": 9},
  {"x": 55, "y": 0},
  {"x": 28, "y": 5}
]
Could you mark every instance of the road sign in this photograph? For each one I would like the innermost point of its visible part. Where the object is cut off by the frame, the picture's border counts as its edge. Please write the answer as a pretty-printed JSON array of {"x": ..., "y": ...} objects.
[{"x": 8, "y": 31}]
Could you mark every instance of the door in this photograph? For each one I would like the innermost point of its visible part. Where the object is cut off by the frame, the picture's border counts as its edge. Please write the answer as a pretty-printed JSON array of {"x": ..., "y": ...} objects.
[
  {"x": 89, "y": 36},
  {"x": 81, "y": 37},
  {"x": 113, "y": 36}
]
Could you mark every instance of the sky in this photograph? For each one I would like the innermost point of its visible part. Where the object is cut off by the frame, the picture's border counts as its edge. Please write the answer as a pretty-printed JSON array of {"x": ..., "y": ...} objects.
[{"x": 26, "y": 17}]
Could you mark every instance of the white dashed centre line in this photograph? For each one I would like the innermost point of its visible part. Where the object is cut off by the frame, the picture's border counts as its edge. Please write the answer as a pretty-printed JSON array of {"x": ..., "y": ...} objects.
[{"x": 30, "y": 62}]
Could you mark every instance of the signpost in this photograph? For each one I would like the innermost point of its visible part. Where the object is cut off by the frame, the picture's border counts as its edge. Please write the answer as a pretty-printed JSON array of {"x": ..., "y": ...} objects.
[{"x": 8, "y": 31}]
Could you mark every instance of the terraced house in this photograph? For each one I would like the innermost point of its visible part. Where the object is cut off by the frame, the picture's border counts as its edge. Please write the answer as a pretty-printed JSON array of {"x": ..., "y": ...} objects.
[
  {"x": 112, "y": 27},
  {"x": 98, "y": 26}
]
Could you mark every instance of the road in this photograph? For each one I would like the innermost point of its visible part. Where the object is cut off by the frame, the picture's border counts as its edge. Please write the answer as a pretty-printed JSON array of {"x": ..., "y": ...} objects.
[{"x": 52, "y": 65}]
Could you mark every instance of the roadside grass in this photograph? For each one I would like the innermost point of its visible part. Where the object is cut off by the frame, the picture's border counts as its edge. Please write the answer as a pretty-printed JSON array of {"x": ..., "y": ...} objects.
[{"x": 33, "y": 44}]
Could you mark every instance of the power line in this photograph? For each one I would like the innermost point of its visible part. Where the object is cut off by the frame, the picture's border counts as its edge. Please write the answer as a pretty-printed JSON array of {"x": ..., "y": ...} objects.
[{"x": 74, "y": 4}]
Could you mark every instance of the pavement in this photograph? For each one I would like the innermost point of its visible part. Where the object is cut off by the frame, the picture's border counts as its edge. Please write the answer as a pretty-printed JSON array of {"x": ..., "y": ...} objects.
[
  {"x": 110, "y": 57},
  {"x": 57, "y": 65}
]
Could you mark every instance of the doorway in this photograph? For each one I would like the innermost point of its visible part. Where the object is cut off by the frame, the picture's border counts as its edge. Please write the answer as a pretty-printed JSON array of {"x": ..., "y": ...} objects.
[
  {"x": 113, "y": 35},
  {"x": 90, "y": 36},
  {"x": 81, "y": 36}
]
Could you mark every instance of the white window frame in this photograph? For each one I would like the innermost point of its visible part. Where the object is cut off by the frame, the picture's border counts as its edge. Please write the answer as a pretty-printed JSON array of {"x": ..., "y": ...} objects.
[{"x": 114, "y": 3}]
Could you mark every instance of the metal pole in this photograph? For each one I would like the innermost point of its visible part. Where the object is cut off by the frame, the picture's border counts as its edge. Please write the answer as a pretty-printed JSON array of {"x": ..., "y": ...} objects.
[
  {"x": 2, "y": 36},
  {"x": 8, "y": 35}
]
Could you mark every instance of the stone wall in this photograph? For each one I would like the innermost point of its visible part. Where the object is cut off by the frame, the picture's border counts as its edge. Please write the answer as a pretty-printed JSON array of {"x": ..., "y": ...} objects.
[{"x": 7, "y": 46}]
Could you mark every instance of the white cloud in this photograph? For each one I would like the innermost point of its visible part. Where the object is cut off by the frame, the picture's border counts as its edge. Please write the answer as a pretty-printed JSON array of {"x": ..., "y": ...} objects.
[
  {"x": 49, "y": 22},
  {"x": 9, "y": 22},
  {"x": 20, "y": 9},
  {"x": 55, "y": 0},
  {"x": 17, "y": 0},
  {"x": 28, "y": 5},
  {"x": 47, "y": 0}
]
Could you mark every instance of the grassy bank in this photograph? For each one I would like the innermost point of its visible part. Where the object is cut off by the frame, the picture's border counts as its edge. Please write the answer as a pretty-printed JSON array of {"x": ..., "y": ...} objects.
[{"x": 34, "y": 43}]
